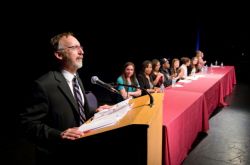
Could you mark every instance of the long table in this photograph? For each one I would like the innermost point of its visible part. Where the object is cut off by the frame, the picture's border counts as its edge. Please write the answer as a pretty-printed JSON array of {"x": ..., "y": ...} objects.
[{"x": 186, "y": 110}]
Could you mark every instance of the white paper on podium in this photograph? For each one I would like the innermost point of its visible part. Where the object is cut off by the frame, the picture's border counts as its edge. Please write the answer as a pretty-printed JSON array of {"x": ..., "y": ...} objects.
[{"x": 107, "y": 117}]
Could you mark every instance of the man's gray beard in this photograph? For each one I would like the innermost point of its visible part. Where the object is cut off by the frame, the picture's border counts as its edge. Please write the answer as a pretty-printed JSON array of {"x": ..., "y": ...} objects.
[{"x": 77, "y": 65}]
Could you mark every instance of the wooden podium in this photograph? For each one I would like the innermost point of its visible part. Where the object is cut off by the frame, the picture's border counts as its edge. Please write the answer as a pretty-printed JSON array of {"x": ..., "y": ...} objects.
[{"x": 135, "y": 139}]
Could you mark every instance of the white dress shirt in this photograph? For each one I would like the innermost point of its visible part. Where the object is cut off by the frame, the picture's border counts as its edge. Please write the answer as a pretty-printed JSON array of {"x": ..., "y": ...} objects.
[{"x": 69, "y": 78}]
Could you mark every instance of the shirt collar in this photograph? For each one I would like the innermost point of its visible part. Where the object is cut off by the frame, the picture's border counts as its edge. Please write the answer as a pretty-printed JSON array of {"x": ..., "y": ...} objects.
[{"x": 68, "y": 76}]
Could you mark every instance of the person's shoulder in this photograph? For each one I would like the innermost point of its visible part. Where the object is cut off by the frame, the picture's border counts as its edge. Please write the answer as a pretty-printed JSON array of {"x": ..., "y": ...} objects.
[
  {"x": 45, "y": 76},
  {"x": 182, "y": 66},
  {"x": 49, "y": 76},
  {"x": 119, "y": 79},
  {"x": 163, "y": 71},
  {"x": 140, "y": 75}
]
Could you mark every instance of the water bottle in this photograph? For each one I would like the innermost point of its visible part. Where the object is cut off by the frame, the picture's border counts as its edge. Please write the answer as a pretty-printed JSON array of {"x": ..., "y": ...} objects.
[
  {"x": 173, "y": 82},
  {"x": 193, "y": 72},
  {"x": 206, "y": 69},
  {"x": 216, "y": 63},
  {"x": 202, "y": 69},
  {"x": 222, "y": 65},
  {"x": 162, "y": 87}
]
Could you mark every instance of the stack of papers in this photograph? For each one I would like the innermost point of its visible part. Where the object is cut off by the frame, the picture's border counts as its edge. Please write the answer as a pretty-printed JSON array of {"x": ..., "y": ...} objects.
[{"x": 107, "y": 117}]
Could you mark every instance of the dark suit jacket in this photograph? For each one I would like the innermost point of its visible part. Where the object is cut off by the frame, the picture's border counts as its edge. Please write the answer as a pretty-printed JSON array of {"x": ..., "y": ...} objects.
[{"x": 52, "y": 109}]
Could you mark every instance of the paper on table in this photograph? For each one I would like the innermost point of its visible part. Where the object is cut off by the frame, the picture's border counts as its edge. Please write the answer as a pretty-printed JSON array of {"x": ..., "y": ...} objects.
[
  {"x": 107, "y": 117},
  {"x": 185, "y": 81},
  {"x": 215, "y": 66},
  {"x": 200, "y": 75},
  {"x": 178, "y": 85},
  {"x": 192, "y": 77}
]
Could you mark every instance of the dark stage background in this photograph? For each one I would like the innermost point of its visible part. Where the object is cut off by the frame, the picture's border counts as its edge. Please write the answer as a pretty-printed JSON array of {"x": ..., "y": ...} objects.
[{"x": 111, "y": 37}]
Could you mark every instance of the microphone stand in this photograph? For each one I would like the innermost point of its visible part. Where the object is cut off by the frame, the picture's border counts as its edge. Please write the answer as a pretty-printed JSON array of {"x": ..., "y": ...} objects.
[{"x": 145, "y": 90}]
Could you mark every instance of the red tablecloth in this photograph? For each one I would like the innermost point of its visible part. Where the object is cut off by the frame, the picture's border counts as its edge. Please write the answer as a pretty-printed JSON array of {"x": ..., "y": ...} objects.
[
  {"x": 187, "y": 110},
  {"x": 216, "y": 84},
  {"x": 183, "y": 119}
]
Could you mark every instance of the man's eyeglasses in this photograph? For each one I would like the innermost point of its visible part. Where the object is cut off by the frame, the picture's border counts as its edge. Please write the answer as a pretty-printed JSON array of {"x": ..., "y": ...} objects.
[{"x": 76, "y": 47}]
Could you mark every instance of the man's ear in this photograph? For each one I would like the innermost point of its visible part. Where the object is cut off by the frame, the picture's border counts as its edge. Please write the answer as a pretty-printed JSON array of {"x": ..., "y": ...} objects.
[{"x": 58, "y": 55}]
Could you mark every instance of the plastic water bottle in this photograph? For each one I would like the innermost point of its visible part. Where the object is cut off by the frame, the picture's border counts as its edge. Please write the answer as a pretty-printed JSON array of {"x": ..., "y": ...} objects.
[
  {"x": 162, "y": 87},
  {"x": 173, "y": 82},
  {"x": 216, "y": 63},
  {"x": 206, "y": 69},
  {"x": 222, "y": 65},
  {"x": 193, "y": 73}
]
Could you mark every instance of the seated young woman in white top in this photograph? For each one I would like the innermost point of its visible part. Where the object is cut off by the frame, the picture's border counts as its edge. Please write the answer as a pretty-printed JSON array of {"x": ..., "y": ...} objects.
[{"x": 183, "y": 70}]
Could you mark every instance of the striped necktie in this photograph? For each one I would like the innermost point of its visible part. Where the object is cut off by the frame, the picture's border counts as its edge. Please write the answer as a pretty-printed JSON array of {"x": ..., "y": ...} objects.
[{"x": 78, "y": 97}]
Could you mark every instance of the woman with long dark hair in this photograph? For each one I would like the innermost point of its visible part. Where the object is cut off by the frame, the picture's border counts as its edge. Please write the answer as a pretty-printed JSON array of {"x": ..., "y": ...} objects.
[{"x": 128, "y": 77}]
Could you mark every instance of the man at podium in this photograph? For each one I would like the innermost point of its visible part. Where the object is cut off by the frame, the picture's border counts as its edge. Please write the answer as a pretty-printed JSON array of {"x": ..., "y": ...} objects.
[{"x": 58, "y": 105}]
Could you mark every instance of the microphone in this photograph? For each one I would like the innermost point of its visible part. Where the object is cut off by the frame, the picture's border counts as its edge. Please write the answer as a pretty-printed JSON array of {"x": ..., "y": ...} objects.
[
  {"x": 95, "y": 80},
  {"x": 145, "y": 90}
]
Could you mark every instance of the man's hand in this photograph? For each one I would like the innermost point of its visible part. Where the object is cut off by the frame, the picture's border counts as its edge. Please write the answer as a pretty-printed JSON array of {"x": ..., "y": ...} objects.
[
  {"x": 103, "y": 107},
  {"x": 71, "y": 134}
]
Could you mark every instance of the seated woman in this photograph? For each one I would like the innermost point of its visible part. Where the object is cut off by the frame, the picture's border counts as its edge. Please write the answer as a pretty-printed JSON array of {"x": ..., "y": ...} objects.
[
  {"x": 145, "y": 78},
  {"x": 200, "y": 55},
  {"x": 183, "y": 70},
  {"x": 157, "y": 76},
  {"x": 193, "y": 68},
  {"x": 128, "y": 77},
  {"x": 174, "y": 70}
]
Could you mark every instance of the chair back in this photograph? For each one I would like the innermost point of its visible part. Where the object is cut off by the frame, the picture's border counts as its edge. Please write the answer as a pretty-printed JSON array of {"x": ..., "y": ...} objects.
[{"x": 92, "y": 100}]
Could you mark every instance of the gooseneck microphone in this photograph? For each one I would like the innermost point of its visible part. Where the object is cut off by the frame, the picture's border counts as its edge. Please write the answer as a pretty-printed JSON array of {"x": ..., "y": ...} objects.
[
  {"x": 96, "y": 80},
  {"x": 145, "y": 90}
]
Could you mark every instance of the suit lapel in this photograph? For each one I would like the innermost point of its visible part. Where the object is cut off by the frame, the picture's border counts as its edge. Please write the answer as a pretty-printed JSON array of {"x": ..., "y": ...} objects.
[{"x": 64, "y": 87}]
